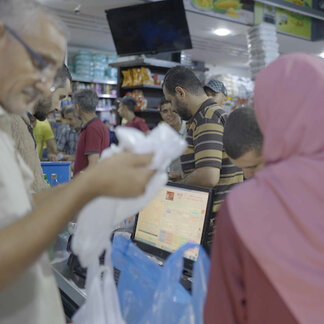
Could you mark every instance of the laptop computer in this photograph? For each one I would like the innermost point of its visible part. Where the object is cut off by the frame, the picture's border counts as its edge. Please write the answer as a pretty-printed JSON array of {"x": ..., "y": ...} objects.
[{"x": 177, "y": 215}]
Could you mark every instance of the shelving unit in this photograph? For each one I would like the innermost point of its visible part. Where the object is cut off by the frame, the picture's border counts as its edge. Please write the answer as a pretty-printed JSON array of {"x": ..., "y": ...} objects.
[
  {"x": 149, "y": 111},
  {"x": 77, "y": 78},
  {"x": 152, "y": 93},
  {"x": 107, "y": 96},
  {"x": 106, "y": 108},
  {"x": 144, "y": 86}
]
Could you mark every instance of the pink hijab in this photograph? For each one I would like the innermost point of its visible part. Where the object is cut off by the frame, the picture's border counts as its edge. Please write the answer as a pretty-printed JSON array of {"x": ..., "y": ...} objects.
[{"x": 279, "y": 214}]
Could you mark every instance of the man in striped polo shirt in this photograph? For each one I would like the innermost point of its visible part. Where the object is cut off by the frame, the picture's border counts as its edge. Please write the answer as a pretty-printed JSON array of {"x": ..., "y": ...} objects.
[{"x": 205, "y": 162}]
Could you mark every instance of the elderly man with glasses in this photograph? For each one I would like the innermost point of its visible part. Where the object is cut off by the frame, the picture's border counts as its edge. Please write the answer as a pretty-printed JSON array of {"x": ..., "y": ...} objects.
[{"x": 32, "y": 47}]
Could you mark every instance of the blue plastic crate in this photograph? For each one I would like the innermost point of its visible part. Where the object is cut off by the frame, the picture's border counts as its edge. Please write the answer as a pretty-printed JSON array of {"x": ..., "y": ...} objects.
[{"x": 61, "y": 169}]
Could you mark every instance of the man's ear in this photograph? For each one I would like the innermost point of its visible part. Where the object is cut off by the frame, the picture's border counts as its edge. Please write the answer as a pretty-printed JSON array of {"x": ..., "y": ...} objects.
[{"x": 180, "y": 91}]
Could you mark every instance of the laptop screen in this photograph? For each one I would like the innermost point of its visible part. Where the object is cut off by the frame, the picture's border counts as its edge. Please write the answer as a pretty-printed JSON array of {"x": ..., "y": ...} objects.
[{"x": 176, "y": 216}]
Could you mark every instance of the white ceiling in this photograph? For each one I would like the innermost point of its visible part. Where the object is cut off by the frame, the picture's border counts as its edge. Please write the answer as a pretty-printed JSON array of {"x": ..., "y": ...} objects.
[{"x": 90, "y": 29}]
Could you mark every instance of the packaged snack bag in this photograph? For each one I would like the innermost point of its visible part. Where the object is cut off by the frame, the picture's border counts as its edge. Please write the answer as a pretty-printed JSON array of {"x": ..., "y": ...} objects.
[
  {"x": 146, "y": 76},
  {"x": 127, "y": 78},
  {"x": 137, "y": 77}
]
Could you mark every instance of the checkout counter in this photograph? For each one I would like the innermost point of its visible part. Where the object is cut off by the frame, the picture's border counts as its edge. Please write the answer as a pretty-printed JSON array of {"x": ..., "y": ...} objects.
[
  {"x": 72, "y": 294},
  {"x": 71, "y": 285}
]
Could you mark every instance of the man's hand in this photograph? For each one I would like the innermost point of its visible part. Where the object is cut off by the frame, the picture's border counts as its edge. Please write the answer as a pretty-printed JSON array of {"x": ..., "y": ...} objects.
[
  {"x": 52, "y": 157},
  {"x": 122, "y": 175},
  {"x": 51, "y": 149},
  {"x": 203, "y": 177}
]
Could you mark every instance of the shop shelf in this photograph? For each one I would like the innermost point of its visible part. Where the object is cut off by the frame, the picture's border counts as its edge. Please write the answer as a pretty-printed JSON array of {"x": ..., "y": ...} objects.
[
  {"x": 148, "y": 111},
  {"x": 103, "y": 109},
  {"x": 106, "y": 96},
  {"x": 85, "y": 80},
  {"x": 143, "y": 61},
  {"x": 144, "y": 86}
]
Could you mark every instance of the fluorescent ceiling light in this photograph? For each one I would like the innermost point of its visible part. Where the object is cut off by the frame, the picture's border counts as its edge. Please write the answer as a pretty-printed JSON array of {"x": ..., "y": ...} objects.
[
  {"x": 321, "y": 55},
  {"x": 221, "y": 32}
]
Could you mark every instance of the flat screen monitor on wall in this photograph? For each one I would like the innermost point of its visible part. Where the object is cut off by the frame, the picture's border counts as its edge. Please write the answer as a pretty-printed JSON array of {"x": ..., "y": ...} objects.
[{"x": 152, "y": 27}]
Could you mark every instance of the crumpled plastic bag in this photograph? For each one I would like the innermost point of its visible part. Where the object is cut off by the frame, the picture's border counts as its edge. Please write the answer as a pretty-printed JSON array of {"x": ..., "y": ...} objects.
[
  {"x": 149, "y": 293},
  {"x": 97, "y": 219}
]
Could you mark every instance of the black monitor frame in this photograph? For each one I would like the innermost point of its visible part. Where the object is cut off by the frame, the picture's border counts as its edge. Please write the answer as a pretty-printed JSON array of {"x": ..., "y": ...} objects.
[
  {"x": 118, "y": 12},
  {"x": 162, "y": 254}
]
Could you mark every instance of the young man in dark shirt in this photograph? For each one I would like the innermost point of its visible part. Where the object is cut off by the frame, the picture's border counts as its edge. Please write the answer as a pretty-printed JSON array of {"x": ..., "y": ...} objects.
[{"x": 243, "y": 141}]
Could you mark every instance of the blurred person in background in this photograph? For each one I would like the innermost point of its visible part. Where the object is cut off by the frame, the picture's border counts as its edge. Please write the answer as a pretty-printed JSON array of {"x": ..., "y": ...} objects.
[
  {"x": 243, "y": 141},
  {"x": 60, "y": 90},
  {"x": 45, "y": 139},
  {"x": 43, "y": 132},
  {"x": 61, "y": 124},
  {"x": 32, "y": 46},
  {"x": 68, "y": 140},
  {"x": 112, "y": 135},
  {"x": 93, "y": 138},
  {"x": 216, "y": 90},
  {"x": 267, "y": 256},
  {"x": 22, "y": 132},
  {"x": 173, "y": 119},
  {"x": 23, "y": 136},
  {"x": 126, "y": 110}
]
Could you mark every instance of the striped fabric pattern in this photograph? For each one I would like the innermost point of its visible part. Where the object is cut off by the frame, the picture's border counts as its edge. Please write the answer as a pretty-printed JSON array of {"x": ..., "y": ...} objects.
[{"x": 205, "y": 149}]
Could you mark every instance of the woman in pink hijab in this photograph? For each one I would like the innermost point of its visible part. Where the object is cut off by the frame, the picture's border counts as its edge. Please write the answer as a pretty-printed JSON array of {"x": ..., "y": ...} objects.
[{"x": 267, "y": 264}]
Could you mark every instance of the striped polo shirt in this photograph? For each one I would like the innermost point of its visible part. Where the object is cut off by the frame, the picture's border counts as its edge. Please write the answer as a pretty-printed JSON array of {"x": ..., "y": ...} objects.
[{"x": 205, "y": 149}]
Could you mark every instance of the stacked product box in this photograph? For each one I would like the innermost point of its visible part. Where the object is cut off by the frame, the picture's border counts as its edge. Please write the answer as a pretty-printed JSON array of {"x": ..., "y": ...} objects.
[{"x": 263, "y": 46}]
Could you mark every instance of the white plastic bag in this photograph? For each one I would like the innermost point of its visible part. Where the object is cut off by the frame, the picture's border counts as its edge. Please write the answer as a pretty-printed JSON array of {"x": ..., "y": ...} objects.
[
  {"x": 102, "y": 305},
  {"x": 97, "y": 219}
]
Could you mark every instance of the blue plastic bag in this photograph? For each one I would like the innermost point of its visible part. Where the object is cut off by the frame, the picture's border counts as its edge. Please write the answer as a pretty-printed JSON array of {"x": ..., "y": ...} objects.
[{"x": 149, "y": 293}]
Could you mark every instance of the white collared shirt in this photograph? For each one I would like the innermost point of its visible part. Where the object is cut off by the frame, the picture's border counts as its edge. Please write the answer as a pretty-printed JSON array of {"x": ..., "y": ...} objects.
[{"x": 34, "y": 297}]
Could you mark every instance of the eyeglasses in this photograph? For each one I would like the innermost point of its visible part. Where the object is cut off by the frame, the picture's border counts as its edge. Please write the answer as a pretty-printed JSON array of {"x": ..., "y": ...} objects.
[{"x": 47, "y": 70}]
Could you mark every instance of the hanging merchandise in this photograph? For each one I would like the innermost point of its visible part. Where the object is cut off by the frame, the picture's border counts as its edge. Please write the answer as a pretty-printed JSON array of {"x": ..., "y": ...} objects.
[{"x": 263, "y": 46}]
